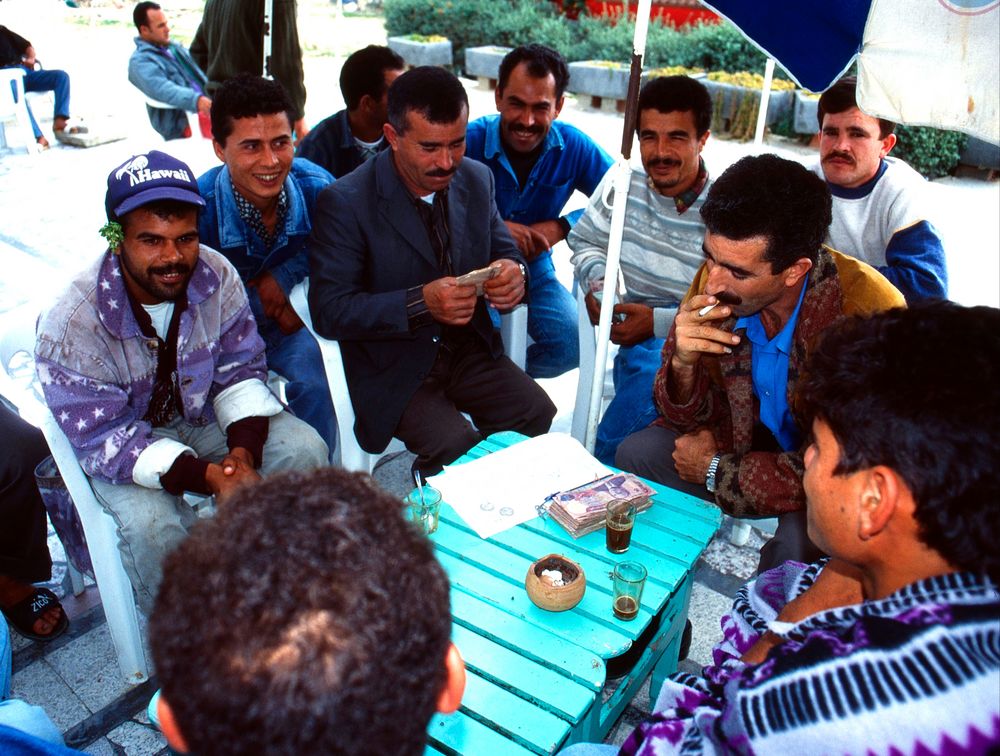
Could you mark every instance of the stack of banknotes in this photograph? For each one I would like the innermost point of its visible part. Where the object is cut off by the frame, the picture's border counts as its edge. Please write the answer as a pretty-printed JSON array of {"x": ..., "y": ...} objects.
[{"x": 581, "y": 510}]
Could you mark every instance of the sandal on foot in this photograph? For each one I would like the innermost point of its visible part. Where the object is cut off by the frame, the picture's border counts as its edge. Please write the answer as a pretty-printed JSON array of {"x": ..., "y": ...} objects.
[{"x": 23, "y": 615}]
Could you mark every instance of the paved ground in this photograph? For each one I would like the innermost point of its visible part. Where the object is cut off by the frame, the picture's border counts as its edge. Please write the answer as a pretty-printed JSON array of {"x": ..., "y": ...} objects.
[{"x": 52, "y": 206}]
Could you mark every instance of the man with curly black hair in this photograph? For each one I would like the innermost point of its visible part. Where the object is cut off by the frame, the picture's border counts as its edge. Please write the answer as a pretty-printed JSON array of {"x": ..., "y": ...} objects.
[
  {"x": 307, "y": 617},
  {"x": 890, "y": 646},
  {"x": 767, "y": 290}
]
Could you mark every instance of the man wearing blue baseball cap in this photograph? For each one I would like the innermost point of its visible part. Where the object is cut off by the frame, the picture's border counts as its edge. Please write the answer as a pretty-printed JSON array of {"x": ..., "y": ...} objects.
[{"x": 152, "y": 365}]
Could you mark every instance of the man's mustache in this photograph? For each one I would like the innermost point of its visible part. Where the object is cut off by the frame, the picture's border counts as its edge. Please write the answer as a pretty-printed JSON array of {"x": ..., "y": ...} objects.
[
  {"x": 669, "y": 162},
  {"x": 727, "y": 298},
  {"x": 839, "y": 156},
  {"x": 536, "y": 129},
  {"x": 442, "y": 173}
]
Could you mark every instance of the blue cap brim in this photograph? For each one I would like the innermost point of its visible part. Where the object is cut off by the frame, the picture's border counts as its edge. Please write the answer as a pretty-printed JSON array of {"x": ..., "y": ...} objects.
[{"x": 159, "y": 193}]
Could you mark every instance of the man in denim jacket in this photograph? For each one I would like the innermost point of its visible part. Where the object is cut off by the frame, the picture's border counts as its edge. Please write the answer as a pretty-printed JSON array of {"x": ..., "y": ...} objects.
[
  {"x": 537, "y": 164},
  {"x": 258, "y": 213},
  {"x": 152, "y": 365}
]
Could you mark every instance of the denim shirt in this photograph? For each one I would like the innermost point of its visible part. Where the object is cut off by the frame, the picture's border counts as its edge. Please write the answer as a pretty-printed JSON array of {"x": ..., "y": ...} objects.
[
  {"x": 570, "y": 161},
  {"x": 221, "y": 227}
]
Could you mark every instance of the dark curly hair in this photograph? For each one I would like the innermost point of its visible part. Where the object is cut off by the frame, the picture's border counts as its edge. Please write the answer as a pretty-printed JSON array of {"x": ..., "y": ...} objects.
[
  {"x": 434, "y": 93},
  {"x": 916, "y": 390},
  {"x": 842, "y": 96},
  {"x": 541, "y": 61},
  {"x": 246, "y": 96},
  {"x": 364, "y": 73},
  {"x": 768, "y": 196},
  {"x": 306, "y": 617},
  {"x": 668, "y": 94}
]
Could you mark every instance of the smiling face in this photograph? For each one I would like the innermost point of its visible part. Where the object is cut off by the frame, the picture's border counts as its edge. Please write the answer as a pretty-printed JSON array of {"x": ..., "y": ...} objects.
[
  {"x": 427, "y": 154},
  {"x": 158, "y": 254},
  {"x": 259, "y": 154},
  {"x": 739, "y": 276},
  {"x": 670, "y": 149},
  {"x": 850, "y": 148},
  {"x": 527, "y": 106},
  {"x": 155, "y": 30}
]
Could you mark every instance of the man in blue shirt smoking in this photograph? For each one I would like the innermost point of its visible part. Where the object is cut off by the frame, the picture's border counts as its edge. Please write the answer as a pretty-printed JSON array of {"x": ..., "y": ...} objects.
[{"x": 537, "y": 164}]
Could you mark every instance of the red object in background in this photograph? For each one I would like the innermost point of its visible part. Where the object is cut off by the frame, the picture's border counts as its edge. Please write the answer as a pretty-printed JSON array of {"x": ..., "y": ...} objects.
[{"x": 674, "y": 12}]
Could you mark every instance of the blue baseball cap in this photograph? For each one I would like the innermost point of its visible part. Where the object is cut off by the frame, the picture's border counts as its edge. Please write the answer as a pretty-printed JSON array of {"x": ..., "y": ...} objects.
[{"x": 146, "y": 178}]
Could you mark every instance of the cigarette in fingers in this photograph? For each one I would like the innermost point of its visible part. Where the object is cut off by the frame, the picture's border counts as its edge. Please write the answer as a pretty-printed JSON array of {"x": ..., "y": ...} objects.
[{"x": 707, "y": 309}]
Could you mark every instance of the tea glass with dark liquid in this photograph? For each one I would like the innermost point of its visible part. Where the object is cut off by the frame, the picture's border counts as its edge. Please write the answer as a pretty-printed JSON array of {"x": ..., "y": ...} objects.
[
  {"x": 620, "y": 520},
  {"x": 629, "y": 579}
]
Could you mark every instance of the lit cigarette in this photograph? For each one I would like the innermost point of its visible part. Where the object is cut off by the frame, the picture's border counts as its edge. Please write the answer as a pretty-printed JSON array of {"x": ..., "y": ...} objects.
[{"x": 706, "y": 309}]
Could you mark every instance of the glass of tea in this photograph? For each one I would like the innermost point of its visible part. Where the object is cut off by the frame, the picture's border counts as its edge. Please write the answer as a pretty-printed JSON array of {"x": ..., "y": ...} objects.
[
  {"x": 629, "y": 579},
  {"x": 423, "y": 507},
  {"x": 619, "y": 521}
]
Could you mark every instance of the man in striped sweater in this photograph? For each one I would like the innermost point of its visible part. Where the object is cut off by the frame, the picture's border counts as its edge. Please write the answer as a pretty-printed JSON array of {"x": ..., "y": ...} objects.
[
  {"x": 661, "y": 248},
  {"x": 889, "y": 646}
]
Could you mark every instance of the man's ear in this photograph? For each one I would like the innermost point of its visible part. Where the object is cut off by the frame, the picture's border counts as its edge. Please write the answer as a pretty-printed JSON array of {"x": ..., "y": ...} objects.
[
  {"x": 794, "y": 272},
  {"x": 887, "y": 144},
  {"x": 454, "y": 685},
  {"x": 559, "y": 105},
  {"x": 218, "y": 151},
  {"x": 879, "y": 498},
  {"x": 168, "y": 725},
  {"x": 391, "y": 135}
]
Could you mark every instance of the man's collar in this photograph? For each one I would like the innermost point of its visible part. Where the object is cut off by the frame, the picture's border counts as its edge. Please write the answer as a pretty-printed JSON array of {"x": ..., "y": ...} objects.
[{"x": 689, "y": 196}]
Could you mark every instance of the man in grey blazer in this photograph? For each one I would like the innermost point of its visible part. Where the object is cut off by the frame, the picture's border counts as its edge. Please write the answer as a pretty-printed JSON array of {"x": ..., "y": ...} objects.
[{"x": 387, "y": 244}]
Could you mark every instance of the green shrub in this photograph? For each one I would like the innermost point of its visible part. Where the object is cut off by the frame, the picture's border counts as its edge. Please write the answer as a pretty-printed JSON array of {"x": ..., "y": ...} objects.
[
  {"x": 931, "y": 152},
  {"x": 471, "y": 23}
]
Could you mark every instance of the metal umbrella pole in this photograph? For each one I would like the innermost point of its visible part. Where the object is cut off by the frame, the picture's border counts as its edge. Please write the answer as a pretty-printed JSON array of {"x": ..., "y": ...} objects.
[
  {"x": 620, "y": 185},
  {"x": 268, "y": 20}
]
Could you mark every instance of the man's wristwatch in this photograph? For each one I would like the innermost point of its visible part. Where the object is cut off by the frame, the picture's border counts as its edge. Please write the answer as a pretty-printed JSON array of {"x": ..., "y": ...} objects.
[
  {"x": 713, "y": 467},
  {"x": 524, "y": 271}
]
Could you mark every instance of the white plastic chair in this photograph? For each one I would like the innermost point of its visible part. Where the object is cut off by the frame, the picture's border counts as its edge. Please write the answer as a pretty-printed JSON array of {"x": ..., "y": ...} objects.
[
  {"x": 350, "y": 455},
  {"x": 15, "y": 110},
  {"x": 17, "y": 334},
  {"x": 193, "y": 123}
]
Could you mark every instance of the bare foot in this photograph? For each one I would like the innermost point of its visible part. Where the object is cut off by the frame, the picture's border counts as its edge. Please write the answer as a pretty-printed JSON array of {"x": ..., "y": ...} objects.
[{"x": 43, "y": 142}]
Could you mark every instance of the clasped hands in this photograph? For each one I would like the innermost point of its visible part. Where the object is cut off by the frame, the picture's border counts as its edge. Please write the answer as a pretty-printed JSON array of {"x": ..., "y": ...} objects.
[
  {"x": 452, "y": 304},
  {"x": 275, "y": 303},
  {"x": 234, "y": 471}
]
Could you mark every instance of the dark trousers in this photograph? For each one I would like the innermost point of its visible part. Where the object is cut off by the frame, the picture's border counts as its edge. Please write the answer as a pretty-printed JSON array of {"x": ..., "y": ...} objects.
[
  {"x": 24, "y": 552},
  {"x": 649, "y": 453},
  {"x": 495, "y": 393}
]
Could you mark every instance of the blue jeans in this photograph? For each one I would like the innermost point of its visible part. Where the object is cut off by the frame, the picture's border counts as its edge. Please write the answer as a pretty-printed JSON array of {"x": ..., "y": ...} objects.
[
  {"x": 632, "y": 409},
  {"x": 552, "y": 322},
  {"x": 47, "y": 81},
  {"x": 297, "y": 358}
]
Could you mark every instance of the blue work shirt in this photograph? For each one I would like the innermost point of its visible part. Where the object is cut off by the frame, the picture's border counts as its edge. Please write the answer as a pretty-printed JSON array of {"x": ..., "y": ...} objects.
[
  {"x": 769, "y": 367},
  {"x": 570, "y": 161}
]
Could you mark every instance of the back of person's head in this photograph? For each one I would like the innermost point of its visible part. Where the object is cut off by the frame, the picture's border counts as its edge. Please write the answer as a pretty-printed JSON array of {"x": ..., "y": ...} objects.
[
  {"x": 364, "y": 73},
  {"x": 246, "y": 96},
  {"x": 768, "y": 196},
  {"x": 434, "y": 93},
  {"x": 840, "y": 97},
  {"x": 915, "y": 390},
  {"x": 307, "y": 616},
  {"x": 139, "y": 13},
  {"x": 540, "y": 60},
  {"x": 668, "y": 94}
]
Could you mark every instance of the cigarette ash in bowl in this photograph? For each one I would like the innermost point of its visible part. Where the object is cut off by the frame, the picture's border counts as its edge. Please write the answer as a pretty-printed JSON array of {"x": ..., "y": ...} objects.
[{"x": 555, "y": 583}]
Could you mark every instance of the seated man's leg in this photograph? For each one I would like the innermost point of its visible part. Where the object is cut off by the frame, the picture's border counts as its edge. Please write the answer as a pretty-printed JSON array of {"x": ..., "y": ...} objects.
[
  {"x": 151, "y": 522},
  {"x": 790, "y": 543},
  {"x": 54, "y": 81},
  {"x": 632, "y": 407},
  {"x": 297, "y": 358},
  {"x": 292, "y": 445},
  {"x": 552, "y": 323},
  {"x": 31, "y": 116},
  {"x": 649, "y": 454},
  {"x": 497, "y": 394}
]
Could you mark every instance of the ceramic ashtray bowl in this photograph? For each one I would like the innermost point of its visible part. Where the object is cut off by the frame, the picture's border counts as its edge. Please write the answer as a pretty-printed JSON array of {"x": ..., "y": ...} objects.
[{"x": 555, "y": 583}]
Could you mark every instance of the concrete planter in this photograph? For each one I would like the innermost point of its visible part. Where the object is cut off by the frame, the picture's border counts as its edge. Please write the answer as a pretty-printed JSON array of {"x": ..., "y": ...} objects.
[
  {"x": 805, "y": 113},
  {"x": 417, "y": 53},
  {"x": 606, "y": 83},
  {"x": 732, "y": 106},
  {"x": 484, "y": 64}
]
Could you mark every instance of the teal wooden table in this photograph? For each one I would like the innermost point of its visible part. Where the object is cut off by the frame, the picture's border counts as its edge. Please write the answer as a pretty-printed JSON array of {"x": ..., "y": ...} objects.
[{"x": 535, "y": 677}]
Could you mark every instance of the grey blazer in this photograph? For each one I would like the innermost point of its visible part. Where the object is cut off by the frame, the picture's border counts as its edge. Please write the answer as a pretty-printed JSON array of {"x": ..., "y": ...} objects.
[{"x": 368, "y": 246}]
